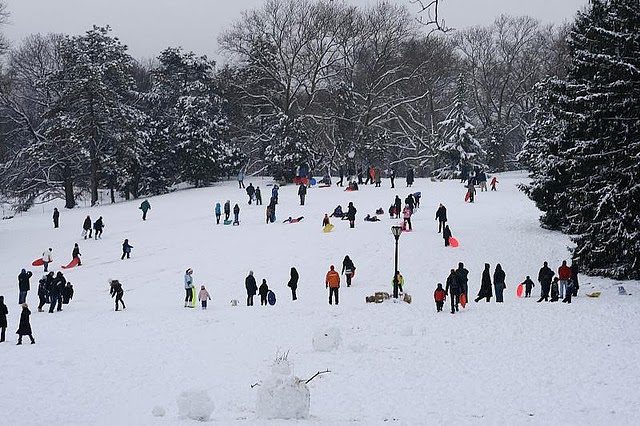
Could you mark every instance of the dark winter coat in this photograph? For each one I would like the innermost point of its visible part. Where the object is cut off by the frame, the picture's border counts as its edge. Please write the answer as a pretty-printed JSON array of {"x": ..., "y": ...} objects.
[
  {"x": 293, "y": 281},
  {"x": 126, "y": 247},
  {"x": 56, "y": 215},
  {"x": 145, "y": 206},
  {"x": 462, "y": 278},
  {"x": 251, "y": 285},
  {"x": 98, "y": 225},
  {"x": 446, "y": 233},
  {"x": 250, "y": 190},
  {"x": 347, "y": 265},
  {"x": 410, "y": 201},
  {"x": 485, "y": 284},
  {"x": 227, "y": 207},
  {"x": 87, "y": 224},
  {"x": 116, "y": 289},
  {"x": 351, "y": 212},
  {"x": 76, "y": 252},
  {"x": 42, "y": 288},
  {"x": 545, "y": 275},
  {"x": 23, "y": 281},
  {"x": 528, "y": 284},
  {"x": 3, "y": 313},
  {"x": 410, "y": 176},
  {"x": 264, "y": 289},
  {"x": 499, "y": 278},
  {"x": 236, "y": 209},
  {"x": 302, "y": 190},
  {"x": 67, "y": 293},
  {"x": 452, "y": 287},
  {"x": 24, "y": 328},
  {"x": 398, "y": 204},
  {"x": 58, "y": 284},
  {"x": 441, "y": 214}
]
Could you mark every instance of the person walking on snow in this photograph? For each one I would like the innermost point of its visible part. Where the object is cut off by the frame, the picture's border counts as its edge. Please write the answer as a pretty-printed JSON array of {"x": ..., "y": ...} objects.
[
  {"x": 446, "y": 234},
  {"x": 302, "y": 193},
  {"x": 351, "y": 215},
  {"x": 439, "y": 295},
  {"x": 3, "y": 319},
  {"x": 441, "y": 217},
  {"x": 250, "y": 192},
  {"x": 263, "y": 291},
  {"x": 528, "y": 285},
  {"x": 47, "y": 257},
  {"x": 493, "y": 183},
  {"x": 56, "y": 217},
  {"x": 218, "y": 213},
  {"x": 241, "y": 179},
  {"x": 126, "y": 249},
  {"x": 203, "y": 296},
  {"x": 293, "y": 283},
  {"x": 75, "y": 254},
  {"x": 398, "y": 206},
  {"x": 544, "y": 278},
  {"x": 499, "y": 283},
  {"x": 410, "y": 177},
  {"x": 227, "y": 210},
  {"x": 188, "y": 287},
  {"x": 117, "y": 291},
  {"x": 258, "y": 196},
  {"x": 485, "y": 285},
  {"x": 564, "y": 275},
  {"x": 24, "y": 328},
  {"x": 86, "y": 227},
  {"x": 392, "y": 178},
  {"x": 348, "y": 268},
  {"x": 55, "y": 292},
  {"x": 453, "y": 288},
  {"x": 251, "y": 287},
  {"x": 145, "y": 207},
  {"x": 97, "y": 227},
  {"x": 236, "y": 214},
  {"x": 43, "y": 293},
  {"x": 471, "y": 191},
  {"x": 406, "y": 213},
  {"x": 332, "y": 282},
  {"x": 462, "y": 276},
  {"x": 23, "y": 285}
]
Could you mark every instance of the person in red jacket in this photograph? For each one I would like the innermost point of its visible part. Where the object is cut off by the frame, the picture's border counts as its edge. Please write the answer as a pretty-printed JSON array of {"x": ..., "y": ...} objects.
[
  {"x": 439, "y": 295},
  {"x": 564, "y": 275},
  {"x": 332, "y": 282}
]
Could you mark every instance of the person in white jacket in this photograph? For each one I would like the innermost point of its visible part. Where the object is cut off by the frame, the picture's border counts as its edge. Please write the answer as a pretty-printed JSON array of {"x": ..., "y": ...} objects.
[
  {"x": 47, "y": 257},
  {"x": 188, "y": 287}
]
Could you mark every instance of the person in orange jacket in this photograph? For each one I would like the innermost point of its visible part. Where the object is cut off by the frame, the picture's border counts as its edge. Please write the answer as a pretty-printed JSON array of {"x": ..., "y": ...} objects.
[{"x": 332, "y": 282}]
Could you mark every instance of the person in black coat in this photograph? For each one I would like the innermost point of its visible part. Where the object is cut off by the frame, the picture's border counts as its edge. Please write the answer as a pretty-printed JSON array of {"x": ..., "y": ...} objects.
[
  {"x": 3, "y": 318},
  {"x": 117, "y": 291},
  {"x": 392, "y": 178},
  {"x": 545, "y": 275},
  {"x": 446, "y": 234},
  {"x": 86, "y": 227},
  {"x": 293, "y": 282},
  {"x": 462, "y": 278},
  {"x": 252, "y": 288},
  {"x": 258, "y": 196},
  {"x": 528, "y": 285},
  {"x": 227, "y": 210},
  {"x": 126, "y": 249},
  {"x": 263, "y": 291},
  {"x": 67, "y": 293},
  {"x": 76, "y": 253},
  {"x": 575, "y": 285},
  {"x": 441, "y": 217},
  {"x": 453, "y": 288},
  {"x": 55, "y": 292},
  {"x": 351, "y": 214},
  {"x": 97, "y": 226},
  {"x": 250, "y": 192},
  {"x": 348, "y": 268},
  {"x": 485, "y": 285},
  {"x": 56, "y": 217},
  {"x": 341, "y": 172},
  {"x": 398, "y": 205},
  {"x": 302, "y": 193},
  {"x": 410, "y": 177},
  {"x": 23, "y": 285},
  {"x": 24, "y": 328},
  {"x": 499, "y": 283},
  {"x": 44, "y": 285}
]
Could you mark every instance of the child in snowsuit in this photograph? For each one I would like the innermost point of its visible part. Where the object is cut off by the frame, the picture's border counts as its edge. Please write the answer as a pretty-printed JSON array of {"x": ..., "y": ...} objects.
[
  {"x": 446, "y": 234},
  {"x": 555, "y": 292},
  {"x": 263, "y": 291},
  {"x": 24, "y": 328},
  {"x": 75, "y": 254},
  {"x": 439, "y": 295},
  {"x": 493, "y": 183},
  {"x": 117, "y": 291},
  {"x": 126, "y": 249},
  {"x": 325, "y": 220},
  {"x": 203, "y": 296},
  {"x": 528, "y": 285}
]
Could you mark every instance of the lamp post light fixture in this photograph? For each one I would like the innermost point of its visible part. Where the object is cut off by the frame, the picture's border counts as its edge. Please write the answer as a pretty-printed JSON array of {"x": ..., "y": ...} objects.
[{"x": 396, "y": 231}]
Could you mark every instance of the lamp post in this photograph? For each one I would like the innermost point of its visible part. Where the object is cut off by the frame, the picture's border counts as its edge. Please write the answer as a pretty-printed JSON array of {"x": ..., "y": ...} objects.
[{"x": 396, "y": 231}]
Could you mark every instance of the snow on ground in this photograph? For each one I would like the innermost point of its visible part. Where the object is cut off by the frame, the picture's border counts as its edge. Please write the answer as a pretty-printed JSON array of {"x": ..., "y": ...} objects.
[{"x": 519, "y": 362}]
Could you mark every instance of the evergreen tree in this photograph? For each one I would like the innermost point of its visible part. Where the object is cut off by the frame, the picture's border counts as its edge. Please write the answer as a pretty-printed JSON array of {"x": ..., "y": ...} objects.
[
  {"x": 459, "y": 149},
  {"x": 599, "y": 105},
  {"x": 287, "y": 148}
]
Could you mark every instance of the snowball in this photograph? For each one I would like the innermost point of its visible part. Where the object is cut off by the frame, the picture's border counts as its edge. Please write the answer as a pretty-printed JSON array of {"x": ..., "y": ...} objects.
[
  {"x": 283, "y": 397},
  {"x": 327, "y": 340},
  {"x": 195, "y": 405},
  {"x": 158, "y": 411}
]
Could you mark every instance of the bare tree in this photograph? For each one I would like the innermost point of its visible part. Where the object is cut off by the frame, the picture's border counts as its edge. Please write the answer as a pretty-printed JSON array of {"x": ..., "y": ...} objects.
[{"x": 4, "y": 19}]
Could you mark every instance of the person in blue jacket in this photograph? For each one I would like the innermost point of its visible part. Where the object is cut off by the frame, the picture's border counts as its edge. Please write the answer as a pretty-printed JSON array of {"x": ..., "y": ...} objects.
[
  {"x": 218, "y": 212},
  {"x": 126, "y": 249}
]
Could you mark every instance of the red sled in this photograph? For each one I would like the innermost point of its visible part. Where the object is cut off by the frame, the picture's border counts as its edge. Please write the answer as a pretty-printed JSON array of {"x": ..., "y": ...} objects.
[
  {"x": 37, "y": 262},
  {"x": 453, "y": 242},
  {"x": 467, "y": 196},
  {"x": 520, "y": 290},
  {"x": 74, "y": 262},
  {"x": 463, "y": 300}
]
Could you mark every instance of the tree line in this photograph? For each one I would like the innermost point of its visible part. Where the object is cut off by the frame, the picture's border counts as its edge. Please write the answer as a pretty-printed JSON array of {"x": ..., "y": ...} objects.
[{"x": 305, "y": 82}]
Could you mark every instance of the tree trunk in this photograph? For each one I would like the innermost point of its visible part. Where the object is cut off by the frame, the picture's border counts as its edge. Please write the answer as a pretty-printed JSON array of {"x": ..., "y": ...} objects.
[
  {"x": 70, "y": 201},
  {"x": 113, "y": 195},
  {"x": 94, "y": 182}
]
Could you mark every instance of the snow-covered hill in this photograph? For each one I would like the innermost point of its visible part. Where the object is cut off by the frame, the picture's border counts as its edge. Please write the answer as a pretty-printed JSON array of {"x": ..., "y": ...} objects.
[{"x": 519, "y": 362}]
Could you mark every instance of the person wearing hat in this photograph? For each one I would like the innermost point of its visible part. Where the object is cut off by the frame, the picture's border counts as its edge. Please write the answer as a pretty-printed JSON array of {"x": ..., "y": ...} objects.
[
  {"x": 188, "y": 287},
  {"x": 24, "y": 328},
  {"x": 251, "y": 286},
  {"x": 23, "y": 285},
  {"x": 332, "y": 282}
]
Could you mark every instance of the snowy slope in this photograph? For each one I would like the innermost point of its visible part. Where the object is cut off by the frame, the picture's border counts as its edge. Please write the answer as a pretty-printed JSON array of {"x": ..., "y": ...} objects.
[{"x": 514, "y": 363}]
